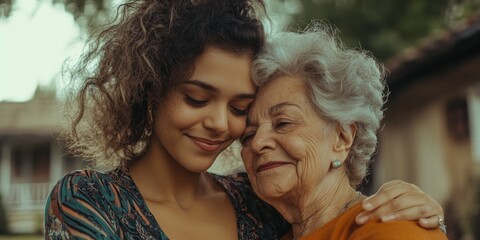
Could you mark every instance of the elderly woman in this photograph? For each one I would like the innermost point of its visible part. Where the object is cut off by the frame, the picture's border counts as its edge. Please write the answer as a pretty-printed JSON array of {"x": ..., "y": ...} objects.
[{"x": 311, "y": 134}]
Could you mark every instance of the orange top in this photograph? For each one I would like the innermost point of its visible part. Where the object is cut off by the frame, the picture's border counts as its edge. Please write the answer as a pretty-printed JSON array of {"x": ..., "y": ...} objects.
[{"x": 344, "y": 227}]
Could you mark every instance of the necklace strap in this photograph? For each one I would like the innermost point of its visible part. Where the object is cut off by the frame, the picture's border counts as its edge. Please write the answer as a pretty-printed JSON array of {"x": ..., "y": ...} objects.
[{"x": 347, "y": 205}]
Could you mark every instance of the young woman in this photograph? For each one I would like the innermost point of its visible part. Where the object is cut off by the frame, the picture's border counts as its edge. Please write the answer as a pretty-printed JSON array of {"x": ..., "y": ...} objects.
[{"x": 170, "y": 92}]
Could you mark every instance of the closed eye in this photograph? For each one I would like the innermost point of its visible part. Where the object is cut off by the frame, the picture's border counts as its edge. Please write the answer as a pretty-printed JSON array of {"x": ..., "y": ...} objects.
[
  {"x": 281, "y": 124},
  {"x": 195, "y": 102},
  {"x": 238, "y": 111},
  {"x": 247, "y": 138}
]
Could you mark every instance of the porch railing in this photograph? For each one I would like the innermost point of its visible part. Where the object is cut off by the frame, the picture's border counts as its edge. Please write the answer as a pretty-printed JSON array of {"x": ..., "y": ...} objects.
[{"x": 27, "y": 196}]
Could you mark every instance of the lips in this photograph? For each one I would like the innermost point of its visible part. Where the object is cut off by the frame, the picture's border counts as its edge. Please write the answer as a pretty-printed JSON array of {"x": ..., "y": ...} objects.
[
  {"x": 206, "y": 144},
  {"x": 270, "y": 165}
]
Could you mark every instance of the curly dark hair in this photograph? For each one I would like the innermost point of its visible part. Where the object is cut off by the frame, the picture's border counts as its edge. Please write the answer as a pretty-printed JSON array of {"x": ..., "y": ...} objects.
[{"x": 149, "y": 49}]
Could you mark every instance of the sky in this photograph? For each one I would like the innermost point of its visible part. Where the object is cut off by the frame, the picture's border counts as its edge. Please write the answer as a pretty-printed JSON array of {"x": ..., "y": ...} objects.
[{"x": 34, "y": 42}]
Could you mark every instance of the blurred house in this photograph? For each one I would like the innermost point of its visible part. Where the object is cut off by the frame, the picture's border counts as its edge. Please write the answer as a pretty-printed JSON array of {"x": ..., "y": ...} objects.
[
  {"x": 31, "y": 160},
  {"x": 431, "y": 133}
]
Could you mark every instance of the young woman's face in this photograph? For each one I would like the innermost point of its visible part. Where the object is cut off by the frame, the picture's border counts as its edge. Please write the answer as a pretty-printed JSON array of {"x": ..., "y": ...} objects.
[{"x": 207, "y": 113}]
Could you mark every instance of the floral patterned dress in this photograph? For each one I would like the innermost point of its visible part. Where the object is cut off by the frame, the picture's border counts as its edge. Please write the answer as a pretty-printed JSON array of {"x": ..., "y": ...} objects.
[{"x": 92, "y": 204}]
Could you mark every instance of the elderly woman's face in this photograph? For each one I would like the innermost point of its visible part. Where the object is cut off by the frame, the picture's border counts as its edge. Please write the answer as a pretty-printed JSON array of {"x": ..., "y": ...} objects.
[{"x": 286, "y": 146}]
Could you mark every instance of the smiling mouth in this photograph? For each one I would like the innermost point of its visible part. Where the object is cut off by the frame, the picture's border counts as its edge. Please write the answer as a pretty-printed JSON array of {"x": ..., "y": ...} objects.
[
  {"x": 270, "y": 165},
  {"x": 207, "y": 145}
]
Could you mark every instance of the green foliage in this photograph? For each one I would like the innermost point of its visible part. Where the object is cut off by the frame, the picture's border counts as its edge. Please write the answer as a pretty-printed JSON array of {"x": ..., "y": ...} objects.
[
  {"x": 3, "y": 218},
  {"x": 83, "y": 7},
  {"x": 87, "y": 13},
  {"x": 5, "y": 8},
  {"x": 78, "y": 8},
  {"x": 384, "y": 27}
]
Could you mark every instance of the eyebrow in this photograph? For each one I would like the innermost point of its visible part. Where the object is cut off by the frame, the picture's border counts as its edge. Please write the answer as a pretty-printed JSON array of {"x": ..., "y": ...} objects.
[
  {"x": 278, "y": 107},
  {"x": 275, "y": 110},
  {"x": 211, "y": 88}
]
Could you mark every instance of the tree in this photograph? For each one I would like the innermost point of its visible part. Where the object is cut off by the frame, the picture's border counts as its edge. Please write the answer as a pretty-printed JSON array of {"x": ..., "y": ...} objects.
[
  {"x": 383, "y": 27},
  {"x": 87, "y": 13}
]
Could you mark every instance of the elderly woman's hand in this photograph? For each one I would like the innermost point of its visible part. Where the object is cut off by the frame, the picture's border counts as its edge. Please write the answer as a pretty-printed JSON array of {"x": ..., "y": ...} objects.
[{"x": 398, "y": 200}]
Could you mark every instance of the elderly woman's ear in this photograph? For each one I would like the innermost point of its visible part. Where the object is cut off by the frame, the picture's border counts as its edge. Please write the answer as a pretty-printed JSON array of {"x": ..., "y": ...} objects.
[{"x": 344, "y": 139}]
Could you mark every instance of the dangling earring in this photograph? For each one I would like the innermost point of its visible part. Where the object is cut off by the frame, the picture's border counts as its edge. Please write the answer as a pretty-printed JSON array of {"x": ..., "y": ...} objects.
[{"x": 336, "y": 163}]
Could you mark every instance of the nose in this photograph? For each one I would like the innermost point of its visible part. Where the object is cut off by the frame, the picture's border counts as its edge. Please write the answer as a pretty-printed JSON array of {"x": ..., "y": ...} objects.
[
  {"x": 217, "y": 119},
  {"x": 263, "y": 140}
]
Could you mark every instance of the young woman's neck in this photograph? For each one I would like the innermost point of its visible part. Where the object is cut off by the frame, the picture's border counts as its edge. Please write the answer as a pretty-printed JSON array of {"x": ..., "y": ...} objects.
[{"x": 162, "y": 179}]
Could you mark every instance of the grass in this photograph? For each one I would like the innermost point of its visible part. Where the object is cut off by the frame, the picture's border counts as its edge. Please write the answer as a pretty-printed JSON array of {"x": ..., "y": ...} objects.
[{"x": 21, "y": 237}]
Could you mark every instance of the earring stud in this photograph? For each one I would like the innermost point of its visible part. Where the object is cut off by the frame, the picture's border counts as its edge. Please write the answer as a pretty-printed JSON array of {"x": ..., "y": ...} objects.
[{"x": 336, "y": 163}]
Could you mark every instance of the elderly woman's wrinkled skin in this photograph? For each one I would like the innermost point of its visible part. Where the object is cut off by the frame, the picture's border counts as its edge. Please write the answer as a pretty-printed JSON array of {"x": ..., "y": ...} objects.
[{"x": 288, "y": 149}]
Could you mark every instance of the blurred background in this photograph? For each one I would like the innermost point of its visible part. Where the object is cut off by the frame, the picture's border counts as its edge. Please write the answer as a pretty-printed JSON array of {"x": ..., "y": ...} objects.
[{"x": 430, "y": 136}]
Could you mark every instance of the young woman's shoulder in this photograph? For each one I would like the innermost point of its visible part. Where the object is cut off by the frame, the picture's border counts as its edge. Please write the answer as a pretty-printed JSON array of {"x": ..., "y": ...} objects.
[
  {"x": 80, "y": 204},
  {"x": 82, "y": 184},
  {"x": 83, "y": 175}
]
